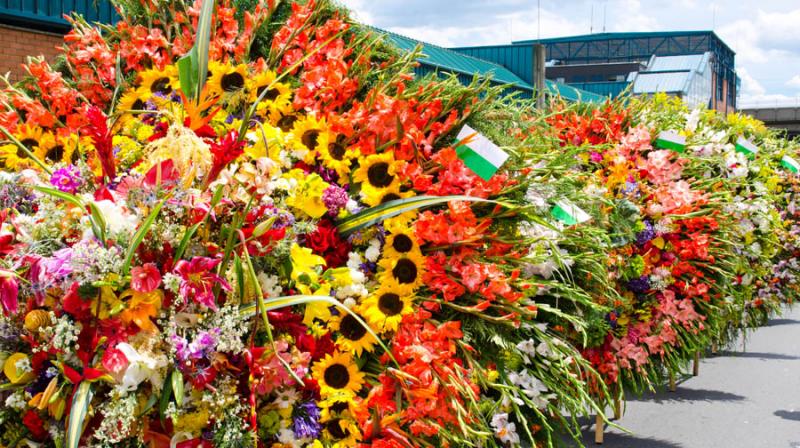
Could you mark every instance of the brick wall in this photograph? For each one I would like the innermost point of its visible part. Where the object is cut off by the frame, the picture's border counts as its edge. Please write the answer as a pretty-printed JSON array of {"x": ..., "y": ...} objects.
[{"x": 16, "y": 44}]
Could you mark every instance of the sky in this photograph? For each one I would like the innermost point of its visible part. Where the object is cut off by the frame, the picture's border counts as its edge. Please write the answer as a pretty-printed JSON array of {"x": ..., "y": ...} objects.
[{"x": 765, "y": 34}]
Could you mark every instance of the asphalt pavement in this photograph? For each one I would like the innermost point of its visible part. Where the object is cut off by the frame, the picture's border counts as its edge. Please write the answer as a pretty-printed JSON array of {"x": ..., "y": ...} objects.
[{"x": 747, "y": 396}]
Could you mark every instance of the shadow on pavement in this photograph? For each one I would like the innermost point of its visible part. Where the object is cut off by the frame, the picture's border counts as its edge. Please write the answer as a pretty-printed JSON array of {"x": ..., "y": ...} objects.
[
  {"x": 788, "y": 415},
  {"x": 615, "y": 440},
  {"x": 682, "y": 394},
  {"x": 760, "y": 355},
  {"x": 776, "y": 322}
]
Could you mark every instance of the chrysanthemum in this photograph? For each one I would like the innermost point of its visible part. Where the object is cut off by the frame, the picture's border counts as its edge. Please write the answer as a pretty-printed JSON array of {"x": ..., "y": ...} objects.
[
  {"x": 226, "y": 78},
  {"x": 337, "y": 373},
  {"x": 405, "y": 272},
  {"x": 308, "y": 137},
  {"x": 385, "y": 308},
  {"x": 13, "y": 156},
  {"x": 377, "y": 174},
  {"x": 158, "y": 82},
  {"x": 352, "y": 335}
]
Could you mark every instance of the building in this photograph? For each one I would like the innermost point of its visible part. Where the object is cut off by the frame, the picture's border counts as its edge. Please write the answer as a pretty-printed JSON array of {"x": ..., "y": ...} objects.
[
  {"x": 444, "y": 61},
  {"x": 37, "y": 27},
  {"x": 610, "y": 63}
]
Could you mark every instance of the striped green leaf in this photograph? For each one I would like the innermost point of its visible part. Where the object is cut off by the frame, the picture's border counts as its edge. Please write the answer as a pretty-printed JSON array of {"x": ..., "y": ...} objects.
[
  {"x": 138, "y": 237},
  {"x": 193, "y": 67},
  {"x": 373, "y": 215},
  {"x": 77, "y": 414}
]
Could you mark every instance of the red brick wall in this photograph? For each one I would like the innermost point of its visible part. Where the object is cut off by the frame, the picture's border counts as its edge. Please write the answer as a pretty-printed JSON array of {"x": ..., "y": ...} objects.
[{"x": 16, "y": 44}]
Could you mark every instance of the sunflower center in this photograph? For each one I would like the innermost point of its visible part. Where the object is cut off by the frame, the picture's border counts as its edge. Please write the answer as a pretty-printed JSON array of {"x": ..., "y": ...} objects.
[
  {"x": 137, "y": 105},
  {"x": 378, "y": 175},
  {"x": 309, "y": 139},
  {"x": 160, "y": 85},
  {"x": 55, "y": 153},
  {"x": 231, "y": 82},
  {"x": 390, "y": 304},
  {"x": 29, "y": 142},
  {"x": 271, "y": 95},
  {"x": 339, "y": 407},
  {"x": 75, "y": 157},
  {"x": 335, "y": 429},
  {"x": 337, "y": 376},
  {"x": 351, "y": 329},
  {"x": 389, "y": 197},
  {"x": 336, "y": 150},
  {"x": 405, "y": 271},
  {"x": 402, "y": 243},
  {"x": 287, "y": 122}
]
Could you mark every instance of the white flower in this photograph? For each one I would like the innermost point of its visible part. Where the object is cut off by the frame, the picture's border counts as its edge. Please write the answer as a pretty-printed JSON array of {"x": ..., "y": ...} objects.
[
  {"x": 504, "y": 430},
  {"x": 692, "y": 119},
  {"x": 141, "y": 367},
  {"x": 270, "y": 285},
  {"x": 354, "y": 260},
  {"x": 118, "y": 219},
  {"x": 374, "y": 251},
  {"x": 528, "y": 349},
  {"x": 544, "y": 350}
]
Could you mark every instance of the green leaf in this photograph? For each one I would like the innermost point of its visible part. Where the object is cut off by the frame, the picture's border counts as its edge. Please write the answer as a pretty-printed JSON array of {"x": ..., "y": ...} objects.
[
  {"x": 166, "y": 394},
  {"x": 373, "y": 215},
  {"x": 97, "y": 219},
  {"x": 138, "y": 237},
  {"x": 187, "y": 236},
  {"x": 77, "y": 414},
  {"x": 177, "y": 386},
  {"x": 203, "y": 42},
  {"x": 187, "y": 72}
]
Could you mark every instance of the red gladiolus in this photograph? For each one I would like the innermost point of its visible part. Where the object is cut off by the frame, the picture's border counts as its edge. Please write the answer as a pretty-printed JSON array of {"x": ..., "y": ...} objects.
[
  {"x": 199, "y": 279},
  {"x": 9, "y": 292},
  {"x": 145, "y": 278}
]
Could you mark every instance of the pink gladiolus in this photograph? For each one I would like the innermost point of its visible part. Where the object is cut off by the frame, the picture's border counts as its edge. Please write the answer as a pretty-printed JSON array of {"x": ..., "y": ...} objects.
[
  {"x": 145, "y": 278},
  {"x": 9, "y": 291},
  {"x": 198, "y": 280}
]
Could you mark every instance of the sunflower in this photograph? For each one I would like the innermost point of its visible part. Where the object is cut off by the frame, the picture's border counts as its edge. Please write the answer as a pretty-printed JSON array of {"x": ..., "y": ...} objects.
[
  {"x": 55, "y": 149},
  {"x": 337, "y": 373},
  {"x": 158, "y": 82},
  {"x": 400, "y": 242},
  {"x": 226, "y": 78},
  {"x": 377, "y": 173},
  {"x": 308, "y": 136},
  {"x": 353, "y": 337},
  {"x": 343, "y": 431},
  {"x": 337, "y": 156},
  {"x": 404, "y": 272},
  {"x": 385, "y": 308},
  {"x": 13, "y": 156},
  {"x": 133, "y": 99},
  {"x": 278, "y": 100}
]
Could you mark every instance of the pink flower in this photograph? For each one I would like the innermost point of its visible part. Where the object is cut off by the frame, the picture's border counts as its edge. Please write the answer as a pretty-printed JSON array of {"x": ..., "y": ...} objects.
[
  {"x": 660, "y": 169},
  {"x": 145, "y": 278},
  {"x": 9, "y": 291},
  {"x": 198, "y": 280}
]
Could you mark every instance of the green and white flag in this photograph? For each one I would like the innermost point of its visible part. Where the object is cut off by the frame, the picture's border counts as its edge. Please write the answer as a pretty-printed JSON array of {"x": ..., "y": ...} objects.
[
  {"x": 569, "y": 213},
  {"x": 671, "y": 140},
  {"x": 790, "y": 164},
  {"x": 478, "y": 153},
  {"x": 746, "y": 147}
]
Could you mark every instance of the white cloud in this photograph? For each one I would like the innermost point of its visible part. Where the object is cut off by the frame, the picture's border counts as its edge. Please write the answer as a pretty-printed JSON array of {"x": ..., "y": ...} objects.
[{"x": 794, "y": 81}]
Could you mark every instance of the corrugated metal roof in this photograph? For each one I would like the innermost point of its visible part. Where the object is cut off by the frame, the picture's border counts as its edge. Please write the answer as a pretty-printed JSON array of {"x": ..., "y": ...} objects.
[
  {"x": 452, "y": 61},
  {"x": 669, "y": 82},
  {"x": 608, "y": 36},
  {"x": 696, "y": 62}
]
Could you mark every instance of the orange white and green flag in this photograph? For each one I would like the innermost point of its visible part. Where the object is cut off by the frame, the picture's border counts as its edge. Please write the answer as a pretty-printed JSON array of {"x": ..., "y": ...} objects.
[{"x": 478, "y": 153}]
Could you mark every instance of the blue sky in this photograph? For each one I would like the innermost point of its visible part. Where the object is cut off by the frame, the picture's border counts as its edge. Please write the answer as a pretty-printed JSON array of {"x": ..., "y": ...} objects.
[{"x": 764, "y": 34}]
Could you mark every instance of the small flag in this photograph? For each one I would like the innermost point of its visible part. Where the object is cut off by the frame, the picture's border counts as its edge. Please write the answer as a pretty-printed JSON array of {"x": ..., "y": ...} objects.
[
  {"x": 478, "y": 153},
  {"x": 790, "y": 164},
  {"x": 569, "y": 213},
  {"x": 671, "y": 140},
  {"x": 746, "y": 147}
]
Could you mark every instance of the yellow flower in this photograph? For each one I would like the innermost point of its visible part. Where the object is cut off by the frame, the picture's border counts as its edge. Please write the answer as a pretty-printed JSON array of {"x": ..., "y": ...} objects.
[
  {"x": 307, "y": 197},
  {"x": 317, "y": 310},
  {"x": 132, "y": 99},
  {"x": 352, "y": 337},
  {"x": 401, "y": 241},
  {"x": 55, "y": 149},
  {"x": 278, "y": 100},
  {"x": 337, "y": 156},
  {"x": 377, "y": 173},
  {"x": 15, "y": 158},
  {"x": 337, "y": 373},
  {"x": 226, "y": 78},
  {"x": 304, "y": 264},
  {"x": 385, "y": 308},
  {"x": 192, "y": 422},
  {"x": 403, "y": 273},
  {"x": 309, "y": 135},
  {"x": 162, "y": 82}
]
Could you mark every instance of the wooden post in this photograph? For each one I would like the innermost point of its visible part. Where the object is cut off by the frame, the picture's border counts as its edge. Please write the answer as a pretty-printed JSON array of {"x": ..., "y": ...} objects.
[
  {"x": 540, "y": 87},
  {"x": 598, "y": 430},
  {"x": 672, "y": 387},
  {"x": 714, "y": 348},
  {"x": 696, "y": 369},
  {"x": 617, "y": 408}
]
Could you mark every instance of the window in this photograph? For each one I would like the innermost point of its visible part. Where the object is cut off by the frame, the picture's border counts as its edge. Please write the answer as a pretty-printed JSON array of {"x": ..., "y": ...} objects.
[{"x": 560, "y": 80}]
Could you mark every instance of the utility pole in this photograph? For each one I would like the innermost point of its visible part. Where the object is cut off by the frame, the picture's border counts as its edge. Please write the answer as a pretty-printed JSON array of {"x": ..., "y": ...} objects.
[{"x": 539, "y": 74}]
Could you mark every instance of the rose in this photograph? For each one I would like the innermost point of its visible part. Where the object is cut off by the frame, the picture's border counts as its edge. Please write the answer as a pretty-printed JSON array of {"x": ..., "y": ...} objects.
[{"x": 327, "y": 242}]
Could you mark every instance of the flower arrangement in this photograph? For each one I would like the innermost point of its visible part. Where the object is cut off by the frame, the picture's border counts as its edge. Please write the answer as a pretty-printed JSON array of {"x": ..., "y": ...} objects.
[{"x": 254, "y": 228}]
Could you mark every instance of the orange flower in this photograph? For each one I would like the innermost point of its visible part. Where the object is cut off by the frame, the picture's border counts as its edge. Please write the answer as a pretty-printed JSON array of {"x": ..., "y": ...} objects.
[{"x": 141, "y": 308}]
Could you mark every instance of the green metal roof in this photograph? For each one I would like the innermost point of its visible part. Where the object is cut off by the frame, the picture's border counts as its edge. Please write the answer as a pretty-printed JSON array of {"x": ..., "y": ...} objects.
[
  {"x": 628, "y": 35},
  {"x": 452, "y": 61}
]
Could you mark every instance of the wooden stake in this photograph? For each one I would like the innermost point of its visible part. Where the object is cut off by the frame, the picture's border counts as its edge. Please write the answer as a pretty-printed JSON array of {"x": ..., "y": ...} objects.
[
  {"x": 714, "y": 348},
  {"x": 696, "y": 369},
  {"x": 598, "y": 430},
  {"x": 617, "y": 408},
  {"x": 672, "y": 387}
]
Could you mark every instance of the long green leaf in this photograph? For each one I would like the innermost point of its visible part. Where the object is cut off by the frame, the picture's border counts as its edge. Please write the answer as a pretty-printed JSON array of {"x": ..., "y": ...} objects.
[
  {"x": 77, "y": 414},
  {"x": 97, "y": 219},
  {"x": 138, "y": 237},
  {"x": 177, "y": 386},
  {"x": 373, "y": 215},
  {"x": 193, "y": 66},
  {"x": 187, "y": 72},
  {"x": 187, "y": 236}
]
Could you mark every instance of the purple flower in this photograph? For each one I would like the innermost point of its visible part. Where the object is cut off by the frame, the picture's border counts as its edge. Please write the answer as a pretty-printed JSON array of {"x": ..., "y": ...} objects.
[
  {"x": 203, "y": 344},
  {"x": 306, "y": 421},
  {"x": 335, "y": 198},
  {"x": 645, "y": 235},
  {"x": 596, "y": 157},
  {"x": 67, "y": 179},
  {"x": 639, "y": 285}
]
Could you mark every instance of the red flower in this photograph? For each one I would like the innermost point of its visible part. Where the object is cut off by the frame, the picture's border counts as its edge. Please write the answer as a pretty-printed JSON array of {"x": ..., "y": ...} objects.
[
  {"x": 198, "y": 280},
  {"x": 327, "y": 242},
  {"x": 9, "y": 292},
  {"x": 228, "y": 149},
  {"x": 145, "y": 278},
  {"x": 114, "y": 360},
  {"x": 35, "y": 425},
  {"x": 101, "y": 138}
]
